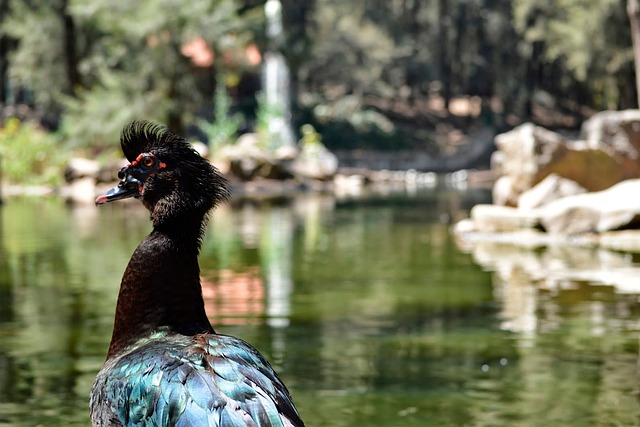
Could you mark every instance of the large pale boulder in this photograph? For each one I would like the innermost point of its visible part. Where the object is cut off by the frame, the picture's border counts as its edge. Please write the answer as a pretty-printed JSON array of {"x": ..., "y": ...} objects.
[
  {"x": 242, "y": 159},
  {"x": 522, "y": 152},
  {"x": 608, "y": 152},
  {"x": 81, "y": 176},
  {"x": 618, "y": 133},
  {"x": 619, "y": 130},
  {"x": 553, "y": 187},
  {"x": 615, "y": 208},
  {"x": 593, "y": 168},
  {"x": 80, "y": 191}
]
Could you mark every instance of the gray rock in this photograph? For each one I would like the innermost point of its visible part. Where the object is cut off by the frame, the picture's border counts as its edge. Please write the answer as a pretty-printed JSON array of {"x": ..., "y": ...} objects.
[
  {"x": 598, "y": 212},
  {"x": 201, "y": 148},
  {"x": 624, "y": 241},
  {"x": 503, "y": 193},
  {"x": 315, "y": 162},
  {"x": 619, "y": 130},
  {"x": 493, "y": 218},
  {"x": 81, "y": 191},
  {"x": 249, "y": 159},
  {"x": 78, "y": 168},
  {"x": 553, "y": 187},
  {"x": 523, "y": 152}
]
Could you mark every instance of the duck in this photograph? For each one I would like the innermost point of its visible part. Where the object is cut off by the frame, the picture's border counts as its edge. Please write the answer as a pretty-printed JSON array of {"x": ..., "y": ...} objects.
[{"x": 166, "y": 365}]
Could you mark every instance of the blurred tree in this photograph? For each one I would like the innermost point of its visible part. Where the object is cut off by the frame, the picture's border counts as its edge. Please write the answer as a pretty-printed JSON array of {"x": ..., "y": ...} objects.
[
  {"x": 110, "y": 62},
  {"x": 143, "y": 67},
  {"x": 369, "y": 71},
  {"x": 393, "y": 56},
  {"x": 6, "y": 45},
  {"x": 45, "y": 33},
  {"x": 525, "y": 60},
  {"x": 589, "y": 40},
  {"x": 633, "y": 10},
  {"x": 297, "y": 19}
]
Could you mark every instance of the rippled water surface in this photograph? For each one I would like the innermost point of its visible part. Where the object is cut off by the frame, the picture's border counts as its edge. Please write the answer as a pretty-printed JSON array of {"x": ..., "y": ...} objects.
[{"x": 368, "y": 309}]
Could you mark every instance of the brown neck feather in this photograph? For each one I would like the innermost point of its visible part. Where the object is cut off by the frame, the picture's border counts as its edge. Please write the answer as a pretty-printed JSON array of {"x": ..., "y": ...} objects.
[{"x": 161, "y": 287}]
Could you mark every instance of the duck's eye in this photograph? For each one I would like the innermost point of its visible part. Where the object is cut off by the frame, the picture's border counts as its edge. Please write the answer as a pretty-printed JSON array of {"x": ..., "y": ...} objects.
[{"x": 148, "y": 162}]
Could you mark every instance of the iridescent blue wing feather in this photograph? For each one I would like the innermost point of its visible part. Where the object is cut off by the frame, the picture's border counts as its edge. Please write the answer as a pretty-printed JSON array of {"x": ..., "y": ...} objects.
[{"x": 206, "y": 380}]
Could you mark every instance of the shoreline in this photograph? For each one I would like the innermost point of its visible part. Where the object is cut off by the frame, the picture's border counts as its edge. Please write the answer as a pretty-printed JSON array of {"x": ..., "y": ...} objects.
[{"x": 346, "y": 181}]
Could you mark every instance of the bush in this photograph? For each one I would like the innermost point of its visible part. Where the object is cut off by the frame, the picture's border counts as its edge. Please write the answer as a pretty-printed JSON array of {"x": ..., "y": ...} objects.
[
  {"x": 30, "y": 155},
  {"x": 224, "y": 128}
]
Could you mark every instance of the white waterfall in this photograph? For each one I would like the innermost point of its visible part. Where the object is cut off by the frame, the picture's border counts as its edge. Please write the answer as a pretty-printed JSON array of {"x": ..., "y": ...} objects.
[{"x": 275, "y": 80}]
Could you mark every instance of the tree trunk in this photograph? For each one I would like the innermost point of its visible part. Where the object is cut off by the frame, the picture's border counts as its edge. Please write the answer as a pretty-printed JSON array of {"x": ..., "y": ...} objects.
[
  {"x": 5, "y": 47},
  {"x": 297, "y": 21},
  {"x": 443, "y": 51},
  {"x": 633, "y": 10},
  {"x": 70, "y": 51}
]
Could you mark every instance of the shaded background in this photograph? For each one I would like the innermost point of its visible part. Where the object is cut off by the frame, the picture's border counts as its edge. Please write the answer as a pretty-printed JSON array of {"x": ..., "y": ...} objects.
[{"x": 366, "y": 73}]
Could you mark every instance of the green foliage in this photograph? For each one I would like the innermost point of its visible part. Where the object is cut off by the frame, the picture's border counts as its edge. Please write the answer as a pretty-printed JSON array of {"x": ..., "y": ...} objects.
[
  {"x": 95, "y": 118},
  {"x": 36, "y": 63},
  {"x": 129, "y": 58},
  {"x": 353, "y": 49},
  {"x": 222, "y": 131},
  {"x": 266, "y": 113},
  {"x": 374, "y": 65},
  {"x": 146, "y": 73},
  {"x": 351, "y": 110},
  {"x": 311, "y": 146},
  {"x": 589, "y": 39},
  {"x": 310, "y": 136},
  {"x": 30, "y": 155},
  {"x": 390, "y": 54},
  {"x": 396, "y": 50},
  {"x": 363, "y": 70}
]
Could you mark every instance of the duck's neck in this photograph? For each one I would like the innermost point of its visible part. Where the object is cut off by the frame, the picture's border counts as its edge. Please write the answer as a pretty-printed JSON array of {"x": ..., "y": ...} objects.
[{"x": 161, "y": 287}]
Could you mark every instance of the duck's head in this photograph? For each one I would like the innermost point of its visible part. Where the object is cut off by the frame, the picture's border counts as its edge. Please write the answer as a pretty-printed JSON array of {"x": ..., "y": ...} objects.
[{"x": 166, "y": 173}]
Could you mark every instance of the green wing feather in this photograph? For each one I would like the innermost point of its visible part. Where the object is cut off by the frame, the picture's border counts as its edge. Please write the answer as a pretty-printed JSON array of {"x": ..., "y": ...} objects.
[{"x": 206, "y": 380}]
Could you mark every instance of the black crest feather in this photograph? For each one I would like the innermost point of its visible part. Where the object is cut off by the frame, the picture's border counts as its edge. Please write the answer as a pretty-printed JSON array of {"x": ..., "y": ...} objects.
[{"x": 142, "y": 136}]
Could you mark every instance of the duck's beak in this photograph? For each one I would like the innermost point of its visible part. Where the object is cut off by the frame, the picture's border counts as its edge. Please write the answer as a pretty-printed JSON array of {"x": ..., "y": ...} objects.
[
  {"x": 128, "y": 186},
  {"x": 132, "y": 178},
  {"x": 118, "y": 192}
]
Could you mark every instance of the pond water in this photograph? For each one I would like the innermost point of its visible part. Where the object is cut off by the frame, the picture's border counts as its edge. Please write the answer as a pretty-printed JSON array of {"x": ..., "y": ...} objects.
[{"x": 366, "y": 307}]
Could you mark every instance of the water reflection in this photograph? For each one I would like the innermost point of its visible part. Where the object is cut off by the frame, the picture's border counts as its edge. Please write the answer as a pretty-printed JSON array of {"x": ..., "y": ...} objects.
[
  {"x": 530, "y": 284},
  {"x": 234, "y": 298},
  {"x": 367, "y": 307},
  {"x": 575, "y": 315}
]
